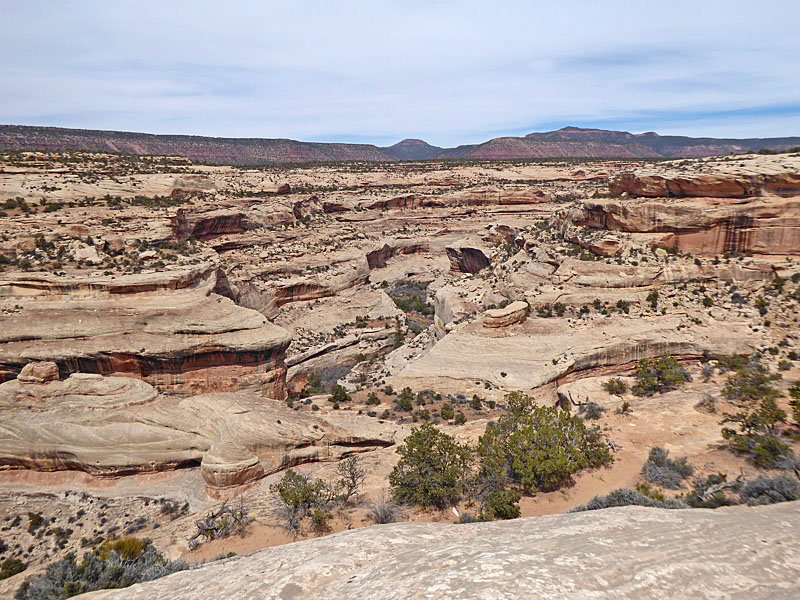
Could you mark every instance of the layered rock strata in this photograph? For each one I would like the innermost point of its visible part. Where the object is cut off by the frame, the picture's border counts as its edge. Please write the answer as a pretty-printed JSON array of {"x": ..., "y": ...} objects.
[
  {"x": 697, "y": 226},
  {"x": 166, "y": 328},
  {"x": 117, "y": 426}
]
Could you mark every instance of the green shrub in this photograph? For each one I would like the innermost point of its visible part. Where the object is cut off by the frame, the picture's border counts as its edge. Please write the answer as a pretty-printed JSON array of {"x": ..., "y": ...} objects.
[
  {"x": 656, "y": 376},
  {"x": 404, "y": 400},
  {"x": 128, "y": 548},
  {"x": 501, "y": 504},
  {"x": 313, "y": 385},
  {"x": 650, "y": 491},
  {"x": 319, "y": 520},
  {"x": 591, "y": 411},
  {"x": 757, "y": 422},
  {"x": 731, "y": 362},
  {"x": 652, "y": 299},
  {"x": 434, "y": 470},
  {"x": 615, "y": 387},
  {"x": 35, "y": 520},
  {"x": 539, "y": 448},
  {"x": 339, "y": 395},
  {"x": 662, "y": 470},
  {"x": 351, "y": 476},
  {"x": 298, "y": 495},
  {"x": 413, "y": 304},
  {"x": 11, "y": 567},
  {"x": 447, "y": 412},
  {"x": 372, "y": 399},
  {"x": 750, "y": 383}
]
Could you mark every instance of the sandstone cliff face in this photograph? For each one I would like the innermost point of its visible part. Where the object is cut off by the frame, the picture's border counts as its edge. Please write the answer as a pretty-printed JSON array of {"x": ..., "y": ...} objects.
[
  {"x": 377, "y": 259},
  {"x": 166, "y": 328},
  {"x": 619, "y": 553},
  {"x": 761, "y": 226},
  {"x": 709, "y": 186}
]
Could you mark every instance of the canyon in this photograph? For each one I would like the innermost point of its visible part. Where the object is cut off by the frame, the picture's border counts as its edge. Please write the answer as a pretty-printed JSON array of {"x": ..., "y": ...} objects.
[{"x": 177, "y": 334}]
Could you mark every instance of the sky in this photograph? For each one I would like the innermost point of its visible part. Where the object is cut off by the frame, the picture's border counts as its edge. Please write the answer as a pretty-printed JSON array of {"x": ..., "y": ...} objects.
[{"x": 449, "y": 72}]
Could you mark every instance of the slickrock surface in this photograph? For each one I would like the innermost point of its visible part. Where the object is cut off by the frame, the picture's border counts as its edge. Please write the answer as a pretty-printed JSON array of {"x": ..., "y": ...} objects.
[
  {"x": 539, "y": 351},
  {"x": 118, "y": 426},
  {"x": 621, "y": 553}
]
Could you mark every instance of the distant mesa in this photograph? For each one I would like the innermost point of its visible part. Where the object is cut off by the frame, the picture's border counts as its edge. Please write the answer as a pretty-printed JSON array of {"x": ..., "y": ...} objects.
[{"x": 568, "y": 142}]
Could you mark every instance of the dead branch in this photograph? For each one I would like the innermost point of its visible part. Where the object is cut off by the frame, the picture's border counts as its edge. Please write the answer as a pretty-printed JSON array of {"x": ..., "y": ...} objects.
[{"x": 220, "y": 524}]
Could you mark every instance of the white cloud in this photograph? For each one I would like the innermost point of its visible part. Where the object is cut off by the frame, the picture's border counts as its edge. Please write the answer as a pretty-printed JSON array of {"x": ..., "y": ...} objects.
[{"x": 450, "y": 72}]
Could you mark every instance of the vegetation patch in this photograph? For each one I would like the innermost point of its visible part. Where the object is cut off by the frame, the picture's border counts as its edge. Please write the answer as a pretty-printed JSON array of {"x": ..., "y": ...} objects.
[
  {"x": 656, "y": 376},
  {"x": 112, "y": 565},
  {"x": 662, "y": 470}
]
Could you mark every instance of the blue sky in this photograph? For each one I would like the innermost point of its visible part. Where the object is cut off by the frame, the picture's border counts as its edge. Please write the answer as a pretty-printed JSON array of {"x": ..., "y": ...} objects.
[{"x": 369, "y": 71}]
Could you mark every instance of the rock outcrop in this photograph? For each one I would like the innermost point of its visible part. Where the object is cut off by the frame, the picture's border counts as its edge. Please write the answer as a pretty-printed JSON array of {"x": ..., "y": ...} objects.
[
  {"x": 705, "y": 186},
  {"x": 467, "y": 258},
  {"x": 516, "y": 312},
  {"x": 118, "y": 425},
  {"x": 39, "y": 372},
  {"x": 620, "y": 553},
  {"x": 540, "y": 351},
  {"x": 698, "y": 226},
  {"x": 166, "y": 328},
  {"x": 377, "y": 259}
]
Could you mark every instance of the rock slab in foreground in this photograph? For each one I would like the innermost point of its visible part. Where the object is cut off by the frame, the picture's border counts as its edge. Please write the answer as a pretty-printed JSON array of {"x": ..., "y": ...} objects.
[{"x": 630, "y": 552}]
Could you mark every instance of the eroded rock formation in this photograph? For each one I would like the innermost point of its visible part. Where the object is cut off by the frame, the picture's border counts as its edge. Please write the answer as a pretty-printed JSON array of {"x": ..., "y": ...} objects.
[
  {"x": 166, "y": 328},
  {"x": 117, "y": 426},
  {"x": 721, "y": 185},
  {"x": 762, "y": 226},
  {"x": 516, "y": 312}
]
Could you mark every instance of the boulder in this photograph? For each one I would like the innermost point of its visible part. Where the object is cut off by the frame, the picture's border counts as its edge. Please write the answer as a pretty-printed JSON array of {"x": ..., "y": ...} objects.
[
  {"x": 38, "y": 372},
  {"x": 86, "y": 253},
  {"x": 516, "y": 312},
  {"x": 227, "y": 466},
  {"x": 304, "y": 209}
]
